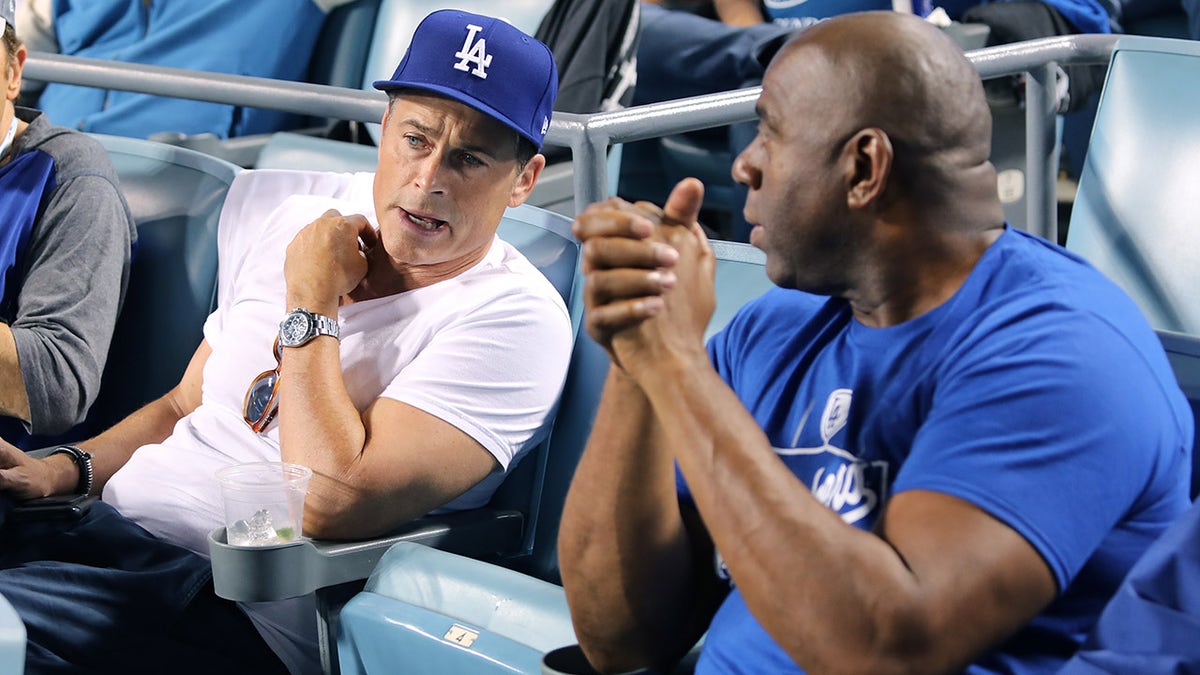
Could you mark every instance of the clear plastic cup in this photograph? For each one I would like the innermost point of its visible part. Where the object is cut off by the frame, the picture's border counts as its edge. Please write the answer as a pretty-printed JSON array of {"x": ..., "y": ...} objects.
[{"x": 264, "y": 502}]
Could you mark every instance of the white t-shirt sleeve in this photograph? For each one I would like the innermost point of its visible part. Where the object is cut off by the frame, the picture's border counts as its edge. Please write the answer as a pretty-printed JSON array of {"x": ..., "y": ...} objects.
[{"x": 494, "y": 373}]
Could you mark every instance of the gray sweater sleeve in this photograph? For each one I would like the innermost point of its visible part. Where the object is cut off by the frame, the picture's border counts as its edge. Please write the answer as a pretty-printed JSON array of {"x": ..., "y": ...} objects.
[{"x": 77, "y": 268}]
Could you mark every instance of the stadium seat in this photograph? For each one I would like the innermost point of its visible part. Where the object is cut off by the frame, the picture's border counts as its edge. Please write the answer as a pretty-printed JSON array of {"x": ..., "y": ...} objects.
[
  {"x": 12, "y": 640},
  {"x": 503, "y": 529},
  {"x": 1134, "y": 214},
  {"x": 435, "y": 611},
  {"x": 175, "y": 195},
  {"x": 458, "y": 615},
  {"x": 340, "y": 55}
]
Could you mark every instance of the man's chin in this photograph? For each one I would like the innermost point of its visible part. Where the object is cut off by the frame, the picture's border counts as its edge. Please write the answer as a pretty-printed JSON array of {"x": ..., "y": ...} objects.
[{"x": 756, "y": 237}]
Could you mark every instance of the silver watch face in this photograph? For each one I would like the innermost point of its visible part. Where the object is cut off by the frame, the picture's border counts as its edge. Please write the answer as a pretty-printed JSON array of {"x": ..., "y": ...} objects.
[{"x": 296, "y": 328}]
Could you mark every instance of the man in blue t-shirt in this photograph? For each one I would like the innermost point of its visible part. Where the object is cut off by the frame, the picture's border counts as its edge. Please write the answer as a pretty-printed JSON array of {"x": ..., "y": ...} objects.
[{"x": 945, "y": 461}]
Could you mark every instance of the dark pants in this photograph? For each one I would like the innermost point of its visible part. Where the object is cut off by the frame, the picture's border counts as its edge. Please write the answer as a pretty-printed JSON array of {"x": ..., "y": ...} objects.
[{"x": 102, "y": 595}]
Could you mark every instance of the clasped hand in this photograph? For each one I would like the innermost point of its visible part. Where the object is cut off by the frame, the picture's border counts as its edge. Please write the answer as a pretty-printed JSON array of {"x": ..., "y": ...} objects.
[{"x": 649, "y": 289}]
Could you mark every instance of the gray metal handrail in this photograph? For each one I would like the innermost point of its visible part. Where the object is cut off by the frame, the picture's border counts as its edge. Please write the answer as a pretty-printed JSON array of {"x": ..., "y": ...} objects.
[
  {"x": 589, "y": 136},
  {"x": 302, "y": 98}
]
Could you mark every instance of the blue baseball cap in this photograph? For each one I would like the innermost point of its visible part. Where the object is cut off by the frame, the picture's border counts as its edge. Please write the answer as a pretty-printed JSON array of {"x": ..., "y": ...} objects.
[{"x": 485, "y": 63}]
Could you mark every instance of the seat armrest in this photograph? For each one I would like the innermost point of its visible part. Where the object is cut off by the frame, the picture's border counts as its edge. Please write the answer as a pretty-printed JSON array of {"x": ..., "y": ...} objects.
[{"x": 263, "y": 573}]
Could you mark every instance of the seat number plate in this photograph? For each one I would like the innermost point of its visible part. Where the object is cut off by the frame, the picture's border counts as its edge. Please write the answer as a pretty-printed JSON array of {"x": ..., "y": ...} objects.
[{"x": 461, "y": 635}]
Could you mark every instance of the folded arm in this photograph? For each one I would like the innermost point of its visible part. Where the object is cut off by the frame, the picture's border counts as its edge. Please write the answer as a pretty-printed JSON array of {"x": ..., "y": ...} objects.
[{"x": 375, "y": 469}]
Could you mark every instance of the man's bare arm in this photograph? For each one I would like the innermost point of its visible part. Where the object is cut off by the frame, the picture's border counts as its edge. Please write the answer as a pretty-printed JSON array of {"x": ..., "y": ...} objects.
[
  {"x": 639, "y": 579},
  {"x": 25, "y": 477},
  {"x": 375, "y": 469},
  {"x": 636, "y": 564},
  {"x": 372, "y": 471}
]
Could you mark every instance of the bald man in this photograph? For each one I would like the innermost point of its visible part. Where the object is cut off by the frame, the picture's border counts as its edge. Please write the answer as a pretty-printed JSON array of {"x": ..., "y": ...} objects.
[{"x": 938, "y": 445}]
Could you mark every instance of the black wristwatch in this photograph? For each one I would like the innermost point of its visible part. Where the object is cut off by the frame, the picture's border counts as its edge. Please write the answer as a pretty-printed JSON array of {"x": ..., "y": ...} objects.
[{"x": 83, "y": 460}]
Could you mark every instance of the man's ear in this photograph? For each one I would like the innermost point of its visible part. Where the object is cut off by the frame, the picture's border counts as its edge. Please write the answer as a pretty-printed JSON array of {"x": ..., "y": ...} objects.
[
  {"x": 526, "y": 179},
  {"x": 868, "y": 159},
  {"x": 15, "y": 67}
]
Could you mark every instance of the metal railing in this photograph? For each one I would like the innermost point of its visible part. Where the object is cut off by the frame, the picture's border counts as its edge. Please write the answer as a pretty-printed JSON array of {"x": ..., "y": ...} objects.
[{"x": 589, "y": 136}]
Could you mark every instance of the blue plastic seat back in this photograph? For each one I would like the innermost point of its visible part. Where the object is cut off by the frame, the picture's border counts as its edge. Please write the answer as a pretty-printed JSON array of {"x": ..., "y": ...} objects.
[
  {"x": 175, "y": 195},
  {"x": 1135, "y": 214},
  {"x": 545, "y": 239},
  {"x": 340, "y": 54}
]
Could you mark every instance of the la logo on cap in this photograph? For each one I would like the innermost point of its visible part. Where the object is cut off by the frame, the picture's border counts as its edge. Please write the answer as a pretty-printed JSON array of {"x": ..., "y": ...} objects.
[{"x": 474, "y": 53}]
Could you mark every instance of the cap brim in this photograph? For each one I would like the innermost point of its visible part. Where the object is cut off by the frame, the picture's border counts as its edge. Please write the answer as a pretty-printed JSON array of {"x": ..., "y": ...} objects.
[{"x": 455, "y": 94}]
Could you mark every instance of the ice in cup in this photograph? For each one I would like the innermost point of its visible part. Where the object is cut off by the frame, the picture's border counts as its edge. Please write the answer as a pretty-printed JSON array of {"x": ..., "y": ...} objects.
[{"x": 264, "y": 502}]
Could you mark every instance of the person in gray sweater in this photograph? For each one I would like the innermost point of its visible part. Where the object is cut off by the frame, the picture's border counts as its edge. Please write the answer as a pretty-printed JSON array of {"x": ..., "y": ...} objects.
[{"x": 65, "y": 244}]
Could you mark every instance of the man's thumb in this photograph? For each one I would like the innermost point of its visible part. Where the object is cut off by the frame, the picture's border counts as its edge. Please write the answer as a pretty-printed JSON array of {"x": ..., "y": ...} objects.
[{"x": 683, "y": 206}]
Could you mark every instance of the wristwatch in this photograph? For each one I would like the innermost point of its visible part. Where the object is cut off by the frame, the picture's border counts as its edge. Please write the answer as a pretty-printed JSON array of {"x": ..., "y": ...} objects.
[
  {"x": 83, "y": 460},
  {"x": 300, "y": 326}
]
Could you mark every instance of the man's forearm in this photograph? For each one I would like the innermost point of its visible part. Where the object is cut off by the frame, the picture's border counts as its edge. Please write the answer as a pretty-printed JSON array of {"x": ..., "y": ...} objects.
[
  {"x": 628, "y": 565},
  {"x": 150, "y": 424},
  {"x": 14, "y": 401},
  {"x": 320, "y": 428},
  {"x": 787, "y": 553}
]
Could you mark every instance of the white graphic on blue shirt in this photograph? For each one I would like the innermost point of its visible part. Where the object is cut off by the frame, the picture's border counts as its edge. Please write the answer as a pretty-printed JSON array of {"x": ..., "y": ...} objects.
[{"x": 853, "y": 488}]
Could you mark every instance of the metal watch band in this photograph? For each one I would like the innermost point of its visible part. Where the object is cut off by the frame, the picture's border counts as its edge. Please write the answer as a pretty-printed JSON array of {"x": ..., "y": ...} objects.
[
  {"x": 83, "y": 460},
  {"x": 326, "y": 325}
]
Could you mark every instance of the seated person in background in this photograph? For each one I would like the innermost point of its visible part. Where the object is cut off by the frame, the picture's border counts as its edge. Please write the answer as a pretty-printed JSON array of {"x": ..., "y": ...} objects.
[
  {"x": 947, "y": 460},
  {"x": 721, "y": 56},
  {"x": 264, "y": 38},
  {"x": 453, "y": 349},
  {"x": 64, "y": 262}
]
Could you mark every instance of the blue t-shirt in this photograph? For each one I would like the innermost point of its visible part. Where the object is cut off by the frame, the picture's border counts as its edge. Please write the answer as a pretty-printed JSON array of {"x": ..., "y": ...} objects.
[
  {"x": 1037, "y": 392},
  {"x": 24, "y": 184},
  {"x": 263, "y": 38}
]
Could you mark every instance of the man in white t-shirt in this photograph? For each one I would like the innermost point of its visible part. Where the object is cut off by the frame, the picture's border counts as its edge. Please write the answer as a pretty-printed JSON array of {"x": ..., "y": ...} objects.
[{"x": 372, "y": 327}]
